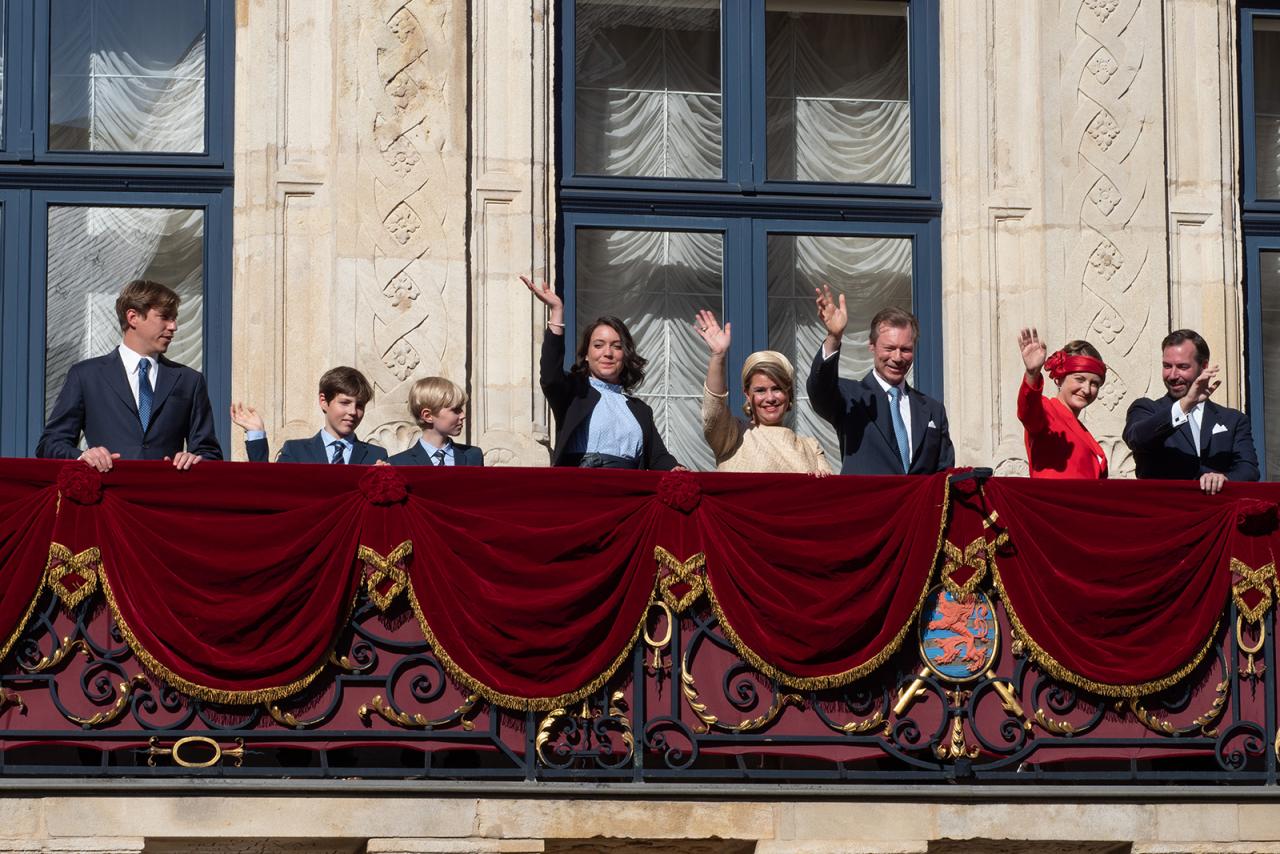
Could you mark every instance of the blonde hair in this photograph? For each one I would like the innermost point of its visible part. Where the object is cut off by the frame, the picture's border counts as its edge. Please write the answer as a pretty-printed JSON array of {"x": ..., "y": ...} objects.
[{"x": 436, "y": 394}]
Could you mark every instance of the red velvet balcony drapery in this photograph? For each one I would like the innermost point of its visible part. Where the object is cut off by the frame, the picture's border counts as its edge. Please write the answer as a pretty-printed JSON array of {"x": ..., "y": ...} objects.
[{"x": 232, "y": 580}]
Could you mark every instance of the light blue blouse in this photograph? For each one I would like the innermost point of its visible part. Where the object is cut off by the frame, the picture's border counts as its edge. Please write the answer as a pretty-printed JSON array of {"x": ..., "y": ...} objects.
[{"x": 612, "y": 428}]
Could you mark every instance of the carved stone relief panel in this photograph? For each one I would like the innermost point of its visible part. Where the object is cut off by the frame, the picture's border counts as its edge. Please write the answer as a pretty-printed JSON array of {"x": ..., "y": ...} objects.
[
  {"x": 402, "y": 264},
  {"x": 1114, "y": 290}
]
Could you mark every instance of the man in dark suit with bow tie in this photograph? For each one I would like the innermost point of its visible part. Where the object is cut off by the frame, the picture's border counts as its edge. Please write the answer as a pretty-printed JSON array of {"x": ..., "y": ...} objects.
[
  {"x": 133, "y": 403},
  {"x": 884, "y": 425},
  {"x": 1185, "y": 435}
]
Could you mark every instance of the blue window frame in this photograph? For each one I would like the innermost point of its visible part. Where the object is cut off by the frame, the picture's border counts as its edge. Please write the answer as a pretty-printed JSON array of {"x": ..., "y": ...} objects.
[
  {"x": 1260, "y": 190},
  {"x": 747, "y": 204},
  {"x": 40, "y": 176}
]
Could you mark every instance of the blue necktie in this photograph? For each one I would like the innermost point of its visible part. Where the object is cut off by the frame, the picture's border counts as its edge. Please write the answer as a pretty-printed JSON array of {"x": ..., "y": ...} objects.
[
  {"x": 899, "y": 428},
  {"x": 144, "y": 393},
  {"x": 338, "y": 448},
  {"x": 438, "y": 456}
]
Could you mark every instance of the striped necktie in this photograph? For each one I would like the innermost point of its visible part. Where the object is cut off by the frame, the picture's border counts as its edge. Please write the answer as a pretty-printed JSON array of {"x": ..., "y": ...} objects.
[{"x": 144, "y": 393}]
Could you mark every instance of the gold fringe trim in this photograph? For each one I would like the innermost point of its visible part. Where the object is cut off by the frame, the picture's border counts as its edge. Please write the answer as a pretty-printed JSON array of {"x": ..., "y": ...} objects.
[
  {"x": 511, "y": 701},
  {"x": 1055, "y": 669},
  {"x": 817, "y": 683},
  {"x": 202, "y": 692}
]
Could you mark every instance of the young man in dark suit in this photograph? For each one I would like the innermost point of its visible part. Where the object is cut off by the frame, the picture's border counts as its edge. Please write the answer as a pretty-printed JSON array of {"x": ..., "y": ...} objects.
[
  {"x": 439, "y": 407},
  {"x": 133, "y": 403},
  {"x": 1185, "y": 435},
  {"x": 344, "y": 393},
  {"x": 884, "y": 425}
]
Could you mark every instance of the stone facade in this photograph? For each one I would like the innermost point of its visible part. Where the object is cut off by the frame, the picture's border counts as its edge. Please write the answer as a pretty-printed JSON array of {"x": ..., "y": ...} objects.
[{"x": 378, "y": 823}]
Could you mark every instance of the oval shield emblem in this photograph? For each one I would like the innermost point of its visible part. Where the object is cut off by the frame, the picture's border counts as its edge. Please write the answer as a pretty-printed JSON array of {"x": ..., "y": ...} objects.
[{"x": 958, "y": 637}]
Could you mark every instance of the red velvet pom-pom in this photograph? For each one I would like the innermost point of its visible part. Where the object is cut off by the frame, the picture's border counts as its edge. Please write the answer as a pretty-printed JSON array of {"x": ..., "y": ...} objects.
[
  {"x": 679, "y": 490},
  {"x": 1255, "y": 517},
  {"x": 80, "y": 482},
  {"x": 383, "y": 485}
]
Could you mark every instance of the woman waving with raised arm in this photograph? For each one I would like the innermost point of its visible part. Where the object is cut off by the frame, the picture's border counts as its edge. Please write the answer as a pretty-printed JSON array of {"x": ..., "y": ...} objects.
[
  {"x": 762, "y": 443},
  {"x": 1058, "y": 445},
  {"x": 598, "y": 423}
]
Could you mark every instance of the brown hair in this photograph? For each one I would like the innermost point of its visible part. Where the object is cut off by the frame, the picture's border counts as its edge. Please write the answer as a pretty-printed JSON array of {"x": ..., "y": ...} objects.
[
  {"x": 894, "y": 317},
  {"x": 1080, "y": 347},
  {"x": 774, "y": 372},
  {"x": 344, "y": 380},
  {"x": 1181, "y": 336},
  {"x": 633, "y": 363},
  {"x": 142, "y": 295},
  {"x": 436, "y": 394}
]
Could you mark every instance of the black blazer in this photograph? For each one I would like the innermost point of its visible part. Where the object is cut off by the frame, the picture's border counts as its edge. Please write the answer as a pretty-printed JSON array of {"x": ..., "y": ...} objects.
[
  {"x": 572, "y": 401},
  {"x": 1163, "y": 451},
  {"x": 96, "y": 400},
  {"x": 312, "y": 451},
  {"x": 859, "y": 410},
  {"x": 416, "y": 455}
]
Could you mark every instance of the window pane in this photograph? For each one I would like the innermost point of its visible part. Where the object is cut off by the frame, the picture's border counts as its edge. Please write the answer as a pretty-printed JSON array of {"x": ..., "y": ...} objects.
[
  {"x": 1266, "y": 104},
  {"x": 836, "y": 91},
  {"x": 93, "y": 252},
  {"x": 1269, "y": 289},
  {"x": 648, "y": 88},
  {"x": 656, "y": 281},
  {"x": 127, "y": 75},
  {"x": 872, "y": 273},
  {"x": 4, "y": 62}
]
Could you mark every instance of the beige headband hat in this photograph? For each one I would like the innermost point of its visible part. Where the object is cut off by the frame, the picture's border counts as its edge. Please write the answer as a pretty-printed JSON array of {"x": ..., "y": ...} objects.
[{"x": 767, "y": 357}]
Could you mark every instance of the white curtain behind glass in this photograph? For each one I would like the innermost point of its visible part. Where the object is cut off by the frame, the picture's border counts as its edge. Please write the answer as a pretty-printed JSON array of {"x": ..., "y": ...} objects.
[
  {"x": 93, "y": 252},
  {"x": 1269, "y": 291},
  {"x": 656, "y": 281},
  {"x": 648, "y": 89},
  {"x": 837, "y": 94},
  {"x": 127, "y": 75},
  {"x": 872, "y": 273},
  {"x": 1266, "y": 81}
]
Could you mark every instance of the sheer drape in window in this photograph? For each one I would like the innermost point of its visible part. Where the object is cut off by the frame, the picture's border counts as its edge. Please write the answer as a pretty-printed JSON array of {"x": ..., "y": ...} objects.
[
  {"x": 872, "y": 273},
  {"x": 837, "y": 92},
  {"x": 1266, "y": 82},
  {"x": 648, "y": 88},
  {"x": 656, "y": 281},
  {"x": 93, "y": 252},
  {"x": 127, "y": 75},
  {"x": 1269, "y": 293}
]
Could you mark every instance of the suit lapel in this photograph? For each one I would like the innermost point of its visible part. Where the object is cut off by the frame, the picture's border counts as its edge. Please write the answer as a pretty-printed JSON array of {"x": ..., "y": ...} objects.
[
  {"x": 1208, "y": 420},
  {"x": 317, "y": 449},
  {"x": 880, "y": 400},
  {"x": 919, "y": 422},
  {"x": 167, "y": 380},
  {"x": 359, "y": 451},
  {"x": 118, "y": 381}
]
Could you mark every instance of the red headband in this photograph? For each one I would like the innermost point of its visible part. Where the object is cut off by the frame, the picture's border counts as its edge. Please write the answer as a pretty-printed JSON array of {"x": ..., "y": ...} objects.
[{"x": 1060, "y": 364}]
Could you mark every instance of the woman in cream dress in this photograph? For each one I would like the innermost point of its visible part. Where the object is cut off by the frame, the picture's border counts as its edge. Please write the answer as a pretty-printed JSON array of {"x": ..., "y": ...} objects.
[{"x": 761, "y": 443}]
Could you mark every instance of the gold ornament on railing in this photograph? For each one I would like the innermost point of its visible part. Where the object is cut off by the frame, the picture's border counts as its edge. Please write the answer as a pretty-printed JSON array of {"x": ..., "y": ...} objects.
[
  {"x": 680, "y": 573},
  {"x": 385, "y": 577},
  {"x": 73, "y": 577},
  {"x": 1252, "y": 595}
]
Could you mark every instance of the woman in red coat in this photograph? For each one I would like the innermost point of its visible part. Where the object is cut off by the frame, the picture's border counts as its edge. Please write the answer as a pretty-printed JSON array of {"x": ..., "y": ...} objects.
[{"x": 1058, "y": 445}]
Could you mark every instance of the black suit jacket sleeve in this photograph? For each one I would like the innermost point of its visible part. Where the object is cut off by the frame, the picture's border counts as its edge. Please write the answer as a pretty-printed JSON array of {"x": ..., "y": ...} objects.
[
  {"x": 554, "y": 381},
  {"x": 1245, "y": 464},
  {"x": 257, "y": 449},
  {"x": 823, "y": 387},
  {"x": 946, "y": 451},
  {"x": 1147, "y": 425},
  {"x": 61, "y": 437},
  {"x": 202, "y": 440},
  {"x": 656, "y": 455}
]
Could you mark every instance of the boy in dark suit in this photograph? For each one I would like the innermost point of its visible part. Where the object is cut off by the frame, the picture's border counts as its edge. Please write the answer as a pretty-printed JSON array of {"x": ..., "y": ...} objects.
[
  {"x": 344, "y": 393},
  {"x": 133, "y": 403},
  {"x": 1185, "y": 435},
  {"x": 439, "y": 407}
]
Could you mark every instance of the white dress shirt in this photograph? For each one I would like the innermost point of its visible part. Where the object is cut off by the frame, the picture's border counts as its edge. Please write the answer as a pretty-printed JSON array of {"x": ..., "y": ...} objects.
[
  {"x": 1195, "y": 416},
  {"x": 432, "y": 449},
  {"x": 131, "y": 361}
]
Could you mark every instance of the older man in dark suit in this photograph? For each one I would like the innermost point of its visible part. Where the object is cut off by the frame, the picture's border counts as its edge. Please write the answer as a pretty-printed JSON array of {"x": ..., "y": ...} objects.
[
  {"x": 1185, "y": 435},
  {"x": 133, "y": 403},
  {"x": 884, "y": 425}
]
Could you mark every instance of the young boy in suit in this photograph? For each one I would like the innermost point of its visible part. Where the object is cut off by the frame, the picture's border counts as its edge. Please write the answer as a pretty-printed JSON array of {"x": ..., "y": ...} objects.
[
  {"x": 344, "y": 393},
  {"x": 439, "y": 407}
]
